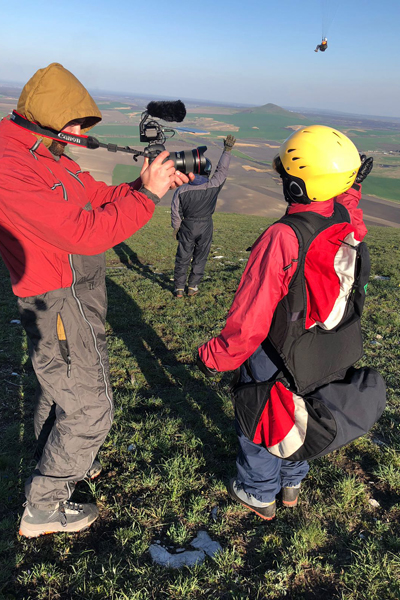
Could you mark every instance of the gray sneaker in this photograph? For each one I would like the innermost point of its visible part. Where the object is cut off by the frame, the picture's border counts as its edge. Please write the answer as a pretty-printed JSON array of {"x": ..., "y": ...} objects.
[
  {"x": 94, "y": 470},
  {"x": 66, "y": 517},
  {"x": 265, "y": 510}
]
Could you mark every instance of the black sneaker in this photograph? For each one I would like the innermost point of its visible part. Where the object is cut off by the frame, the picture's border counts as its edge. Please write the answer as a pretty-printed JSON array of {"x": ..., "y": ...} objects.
[
  {"x": 178, "y": 293},
  {"x": 290, "y": 496},
  {"x": 65, "y": 517},
  {"x": 265, "y": 510}
]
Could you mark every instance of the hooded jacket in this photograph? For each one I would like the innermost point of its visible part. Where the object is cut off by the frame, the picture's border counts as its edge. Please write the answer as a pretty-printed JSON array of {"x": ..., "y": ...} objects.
[{"x": 50, "y": 209}]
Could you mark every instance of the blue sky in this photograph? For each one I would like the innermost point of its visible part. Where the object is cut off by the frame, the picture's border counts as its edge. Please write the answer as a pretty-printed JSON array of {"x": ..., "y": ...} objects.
[{"x": 250, "y": 52}]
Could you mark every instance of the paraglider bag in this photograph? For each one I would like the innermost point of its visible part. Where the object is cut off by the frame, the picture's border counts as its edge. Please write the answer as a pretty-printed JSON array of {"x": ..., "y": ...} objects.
[{"x": 294, "y": 427}]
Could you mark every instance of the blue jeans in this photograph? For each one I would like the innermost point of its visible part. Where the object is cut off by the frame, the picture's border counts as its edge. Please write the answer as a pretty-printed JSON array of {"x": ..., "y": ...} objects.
[{"x": 263, "y": 475}]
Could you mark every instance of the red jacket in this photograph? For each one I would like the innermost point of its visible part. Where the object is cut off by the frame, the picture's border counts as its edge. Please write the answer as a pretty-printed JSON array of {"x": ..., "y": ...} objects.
[
  {"x": 45, "y": 213},
  {"x": 264, "y": 283}
]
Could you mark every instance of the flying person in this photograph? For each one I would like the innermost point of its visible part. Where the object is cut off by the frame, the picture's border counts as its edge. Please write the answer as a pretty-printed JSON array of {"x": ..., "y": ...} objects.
[{"x": 322, "y": 46}]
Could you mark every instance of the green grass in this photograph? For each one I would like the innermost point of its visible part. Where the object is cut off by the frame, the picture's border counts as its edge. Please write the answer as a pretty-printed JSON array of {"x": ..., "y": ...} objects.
[
  {"x": 179, "y": 428},
  {"x": 382, "y": 187}
]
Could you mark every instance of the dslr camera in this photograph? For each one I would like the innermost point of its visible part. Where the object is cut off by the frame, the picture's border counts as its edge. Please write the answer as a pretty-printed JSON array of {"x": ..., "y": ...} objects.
[{"x": 155, "y": 135}]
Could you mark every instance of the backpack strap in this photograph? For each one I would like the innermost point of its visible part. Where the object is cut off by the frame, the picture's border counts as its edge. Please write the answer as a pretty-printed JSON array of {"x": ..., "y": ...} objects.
[{"x": 308, "y": 225}]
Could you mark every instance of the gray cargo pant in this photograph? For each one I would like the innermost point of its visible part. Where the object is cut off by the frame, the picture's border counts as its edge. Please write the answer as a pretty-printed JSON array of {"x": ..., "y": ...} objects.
[
  {"x": 66, "y": 332},
  {"x": 194, "y": 237}
]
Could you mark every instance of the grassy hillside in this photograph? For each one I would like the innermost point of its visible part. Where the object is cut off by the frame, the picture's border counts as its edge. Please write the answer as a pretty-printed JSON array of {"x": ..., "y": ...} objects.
[{"x": 172, "y": 449}]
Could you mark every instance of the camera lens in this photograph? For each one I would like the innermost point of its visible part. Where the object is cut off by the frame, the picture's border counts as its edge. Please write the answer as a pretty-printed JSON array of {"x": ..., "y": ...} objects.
[{"x": 191, "y": 161}]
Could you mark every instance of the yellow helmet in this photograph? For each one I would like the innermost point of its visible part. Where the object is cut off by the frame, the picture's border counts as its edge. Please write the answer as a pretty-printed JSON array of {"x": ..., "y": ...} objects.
[{"x": 318, "y": 163}]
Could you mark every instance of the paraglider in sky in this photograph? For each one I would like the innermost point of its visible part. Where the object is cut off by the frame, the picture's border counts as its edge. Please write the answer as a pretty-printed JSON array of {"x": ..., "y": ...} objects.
[{"x": 322, "y": 46}]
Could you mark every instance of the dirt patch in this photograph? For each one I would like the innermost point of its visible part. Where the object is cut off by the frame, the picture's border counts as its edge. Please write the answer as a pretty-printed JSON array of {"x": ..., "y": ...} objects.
[
  {"x": 249, "y": 168},
  {"x": 247, "y": 145},
  {"x": 353, "y": 129},
  {"x": 270, "y": 146},
  {"x": 211, "y": 124},
  {"x": 294, "y": 127}
]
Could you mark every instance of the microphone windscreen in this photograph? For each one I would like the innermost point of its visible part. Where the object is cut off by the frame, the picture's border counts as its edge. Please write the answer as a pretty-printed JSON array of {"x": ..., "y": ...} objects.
[{"x": 167, "y": 111}]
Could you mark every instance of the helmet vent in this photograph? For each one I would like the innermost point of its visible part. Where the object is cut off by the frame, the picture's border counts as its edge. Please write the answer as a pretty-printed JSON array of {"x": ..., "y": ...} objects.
[
  {"x": 337, "y": 135},
  {"x": 296, "y": 158},
  {"x": 303, "y": 167},
  {"x": 291, "y": 150}
]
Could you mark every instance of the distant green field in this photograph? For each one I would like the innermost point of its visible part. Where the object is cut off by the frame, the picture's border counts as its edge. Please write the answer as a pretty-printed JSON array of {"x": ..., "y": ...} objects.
[
  {"x": 115, "y": 130},
  {"x": 277, "y": 127},
  {"x": 111, "y": 105},
  {"x": 121, "y": 141},
  {"x": 123, "y": 173},
  {"x": 270, "y": 127},
  {"x": 373, "y": 140},
  {"x": 383, "y": 188},
  {"x": 247, "y": 157}
]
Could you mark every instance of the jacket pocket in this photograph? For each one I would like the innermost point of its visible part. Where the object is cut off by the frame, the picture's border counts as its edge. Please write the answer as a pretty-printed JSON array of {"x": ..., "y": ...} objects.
[{"x": 63, "y": 344}]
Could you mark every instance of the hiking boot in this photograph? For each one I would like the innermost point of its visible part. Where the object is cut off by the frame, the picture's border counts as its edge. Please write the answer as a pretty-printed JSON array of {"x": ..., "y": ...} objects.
[
  {"x": 66, "y": 517},
  {"x": 94, "y": 470},
  {"x": 290, "y": 495},
  {"x": 192, "y": 291},
  {"x": 265, "y": 510},
  {"x": 179, "y": 293}
]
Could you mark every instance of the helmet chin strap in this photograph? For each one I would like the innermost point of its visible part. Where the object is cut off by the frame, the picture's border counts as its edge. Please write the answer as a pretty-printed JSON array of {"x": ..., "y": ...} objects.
[{"x": 60, "y": 136}]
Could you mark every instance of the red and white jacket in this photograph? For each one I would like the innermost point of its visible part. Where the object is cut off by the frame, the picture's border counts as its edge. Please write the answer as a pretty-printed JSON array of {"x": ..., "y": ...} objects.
[
  {"x": 265, "y": 281},
  {"x": 50, "y": 209}
]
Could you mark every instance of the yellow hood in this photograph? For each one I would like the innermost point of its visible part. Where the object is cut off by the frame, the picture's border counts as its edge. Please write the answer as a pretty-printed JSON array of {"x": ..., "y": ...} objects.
[{"x": 53, "y": 97}]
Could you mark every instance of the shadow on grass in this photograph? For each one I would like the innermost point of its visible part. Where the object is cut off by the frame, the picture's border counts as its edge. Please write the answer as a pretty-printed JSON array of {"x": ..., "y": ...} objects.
[
  {"x": 197, "y": 403},
  {"x": 17, "y": 444},
  {"x": 129, "y": 258}
]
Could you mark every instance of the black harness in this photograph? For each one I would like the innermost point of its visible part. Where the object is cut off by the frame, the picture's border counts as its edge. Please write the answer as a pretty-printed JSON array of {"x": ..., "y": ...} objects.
[{"x": 315, "y": 356}]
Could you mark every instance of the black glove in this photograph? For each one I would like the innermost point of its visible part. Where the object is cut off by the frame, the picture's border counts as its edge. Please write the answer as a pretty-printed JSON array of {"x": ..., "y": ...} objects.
[
  {"x": 365, "y": 168},
  {"x": 229, "y": 143},
  {"x": 208, "y": 372}
]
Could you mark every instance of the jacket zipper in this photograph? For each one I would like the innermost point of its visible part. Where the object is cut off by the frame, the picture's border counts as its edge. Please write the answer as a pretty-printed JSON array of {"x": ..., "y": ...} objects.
[{"x": 74, "y": 176}]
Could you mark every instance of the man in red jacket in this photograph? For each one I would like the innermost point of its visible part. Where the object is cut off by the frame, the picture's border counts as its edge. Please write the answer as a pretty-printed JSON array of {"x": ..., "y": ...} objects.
[
  {"x": 319, "y": 167},
  {"x": 56, "y": 223}
]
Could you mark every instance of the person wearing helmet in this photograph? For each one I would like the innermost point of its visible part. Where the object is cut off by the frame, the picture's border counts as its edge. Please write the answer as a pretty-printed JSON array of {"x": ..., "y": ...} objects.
[
  {"x": 191, "y": 218},
  {"x": 322, "y": 46},
  {"x": 56, "y": 223},
  {"x": 321, "y": 173}
]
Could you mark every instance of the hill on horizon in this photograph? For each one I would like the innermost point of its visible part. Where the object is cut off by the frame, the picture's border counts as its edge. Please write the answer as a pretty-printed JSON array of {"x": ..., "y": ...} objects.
[{"x": 272, "y": 109}]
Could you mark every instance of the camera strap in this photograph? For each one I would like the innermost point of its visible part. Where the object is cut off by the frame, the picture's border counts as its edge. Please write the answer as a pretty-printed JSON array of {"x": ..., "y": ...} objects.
[{"x": 68, "y": 138}]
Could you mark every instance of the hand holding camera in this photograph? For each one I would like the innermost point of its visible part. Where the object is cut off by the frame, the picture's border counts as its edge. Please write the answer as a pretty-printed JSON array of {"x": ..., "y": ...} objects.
[{"x": 158, "y": 176}]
